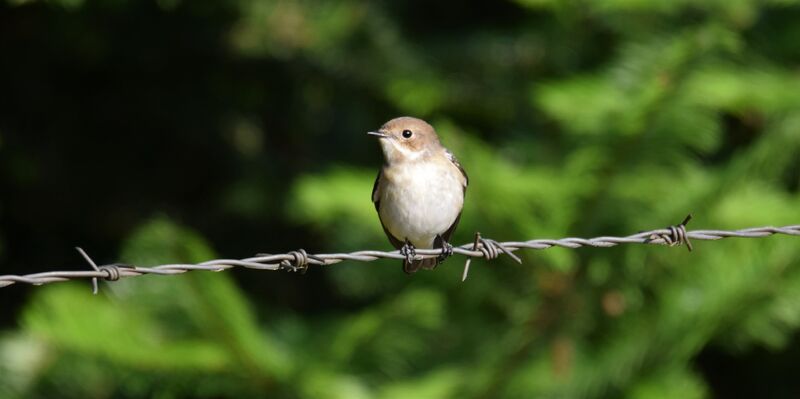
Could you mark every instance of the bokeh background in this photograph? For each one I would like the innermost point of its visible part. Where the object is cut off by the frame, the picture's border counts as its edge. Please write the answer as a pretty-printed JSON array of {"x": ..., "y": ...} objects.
[{"x": 152, "y": 132}]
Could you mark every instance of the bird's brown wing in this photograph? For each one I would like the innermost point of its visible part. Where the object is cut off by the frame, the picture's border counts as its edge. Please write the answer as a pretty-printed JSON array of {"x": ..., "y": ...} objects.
[
  {"x": 447, "y": 234},
  {"x": 376, "y": 199},
  {"x": 457, "y": 164}
]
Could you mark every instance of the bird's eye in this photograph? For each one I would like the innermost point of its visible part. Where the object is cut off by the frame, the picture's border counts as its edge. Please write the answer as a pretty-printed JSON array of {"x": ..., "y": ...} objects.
[{"x": 407, "y": 134}]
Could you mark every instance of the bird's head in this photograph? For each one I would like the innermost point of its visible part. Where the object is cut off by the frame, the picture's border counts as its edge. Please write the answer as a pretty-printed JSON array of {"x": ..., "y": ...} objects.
[{"x": 407, "y": 139}]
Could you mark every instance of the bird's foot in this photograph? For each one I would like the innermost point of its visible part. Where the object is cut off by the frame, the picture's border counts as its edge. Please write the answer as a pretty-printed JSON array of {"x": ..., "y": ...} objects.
[
  {"x": 447, "y": 250},
  {"x": 409, "y": 251}
]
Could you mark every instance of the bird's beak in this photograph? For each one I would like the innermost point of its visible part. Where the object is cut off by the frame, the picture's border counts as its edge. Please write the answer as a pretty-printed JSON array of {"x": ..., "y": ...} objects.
[{"x": 379, "y": 134}]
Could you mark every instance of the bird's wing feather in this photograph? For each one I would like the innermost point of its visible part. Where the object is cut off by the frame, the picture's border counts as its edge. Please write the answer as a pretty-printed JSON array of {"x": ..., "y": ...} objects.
[
  {"x": 452, "y": 158},
  {"x": 376, "y": 195},
  {"x": 376, "y": 199},
  {"x": 447, "y": 234}
]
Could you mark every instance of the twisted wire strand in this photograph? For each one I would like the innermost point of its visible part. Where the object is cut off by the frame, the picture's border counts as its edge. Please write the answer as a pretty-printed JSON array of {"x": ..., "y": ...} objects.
[{"x": 300, "y": 260}]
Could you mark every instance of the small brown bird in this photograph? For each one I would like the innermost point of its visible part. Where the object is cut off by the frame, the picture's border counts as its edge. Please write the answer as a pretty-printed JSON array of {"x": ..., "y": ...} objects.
[{"x": 419, "y": 192}]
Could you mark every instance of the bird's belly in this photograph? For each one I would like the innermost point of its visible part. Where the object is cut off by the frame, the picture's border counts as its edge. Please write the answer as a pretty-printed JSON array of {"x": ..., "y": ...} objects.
[{"x": 421, "y": 206}]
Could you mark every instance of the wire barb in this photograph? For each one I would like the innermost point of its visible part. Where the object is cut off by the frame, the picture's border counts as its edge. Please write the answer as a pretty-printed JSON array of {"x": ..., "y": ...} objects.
[
  {"x": 481, "y": 247},
  {"x": 111, "y": 272},
  {"x": 469, "y": 259},
  {"x": 676, "y": 234},
  {"x": 491, "y": 250},
  {"x": 299, "y": 262}
]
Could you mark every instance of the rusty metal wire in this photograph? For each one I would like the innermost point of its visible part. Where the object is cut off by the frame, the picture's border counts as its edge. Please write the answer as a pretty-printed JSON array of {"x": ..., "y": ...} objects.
[{"x": 481, "y": 248}]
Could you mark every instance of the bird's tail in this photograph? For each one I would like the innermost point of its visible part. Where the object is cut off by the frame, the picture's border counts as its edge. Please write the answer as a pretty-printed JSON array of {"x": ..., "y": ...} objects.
[{"x": 414, "y": 265}]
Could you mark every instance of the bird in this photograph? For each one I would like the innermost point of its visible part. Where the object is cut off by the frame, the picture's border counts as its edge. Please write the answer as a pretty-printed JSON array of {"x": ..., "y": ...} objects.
[{"x": 419, "y": 192}]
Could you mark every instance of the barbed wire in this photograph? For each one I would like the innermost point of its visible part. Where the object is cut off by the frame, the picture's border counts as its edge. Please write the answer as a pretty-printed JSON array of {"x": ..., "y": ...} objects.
[{"x": 486, "y": 248}]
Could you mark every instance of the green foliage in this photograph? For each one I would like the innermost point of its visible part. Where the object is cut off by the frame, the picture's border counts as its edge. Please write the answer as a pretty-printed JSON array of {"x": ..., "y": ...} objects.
[
  {"x": 572, "y": 119},
  {"x": 194, "y": 327}
]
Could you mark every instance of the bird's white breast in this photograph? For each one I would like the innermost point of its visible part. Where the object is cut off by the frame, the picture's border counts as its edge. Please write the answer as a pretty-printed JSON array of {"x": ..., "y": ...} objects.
[{"x": 420, "y": 200}]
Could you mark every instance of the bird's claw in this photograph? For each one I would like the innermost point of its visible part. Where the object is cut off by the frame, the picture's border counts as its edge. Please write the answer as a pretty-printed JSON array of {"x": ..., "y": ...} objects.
[
  {"x": 447, "y": 251},
  {"x": 409, "y": 251}
]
